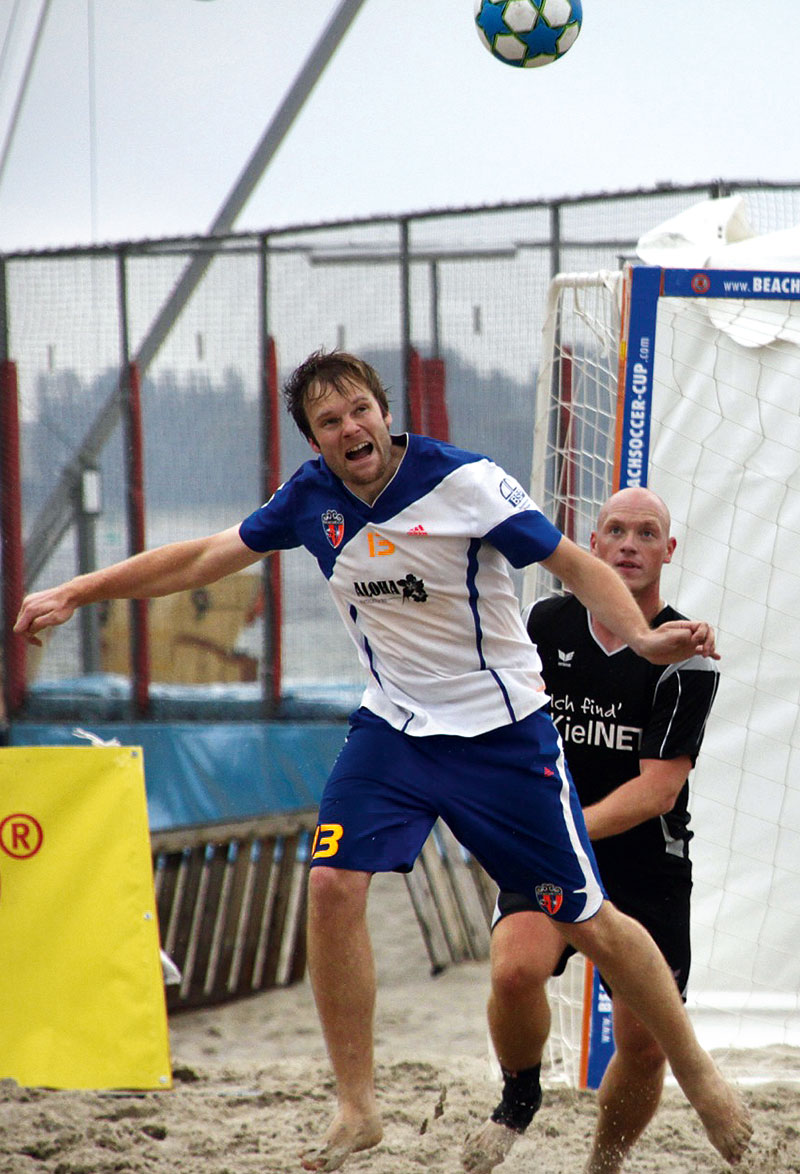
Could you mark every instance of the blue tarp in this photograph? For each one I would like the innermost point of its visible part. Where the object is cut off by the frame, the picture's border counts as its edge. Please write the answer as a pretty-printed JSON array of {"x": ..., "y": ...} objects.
[
  {"x": 106, "y": 697},
  {"x": 206, "y": 772}
]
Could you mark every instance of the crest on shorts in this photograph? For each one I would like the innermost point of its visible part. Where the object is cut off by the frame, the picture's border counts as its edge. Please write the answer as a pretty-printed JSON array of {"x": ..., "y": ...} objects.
[
  {"x": 550, "y": 898},
  {"x": 333, "y": 525}
]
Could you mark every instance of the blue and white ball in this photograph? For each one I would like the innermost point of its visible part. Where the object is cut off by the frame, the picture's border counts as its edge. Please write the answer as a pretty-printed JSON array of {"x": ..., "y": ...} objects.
[{"x": 528, "y": 33}]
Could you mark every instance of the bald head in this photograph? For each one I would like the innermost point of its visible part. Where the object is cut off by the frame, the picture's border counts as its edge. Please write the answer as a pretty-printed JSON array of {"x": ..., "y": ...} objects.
[
  {"x": 638, "y": 500},
  {"x": 633, "y": 536}
]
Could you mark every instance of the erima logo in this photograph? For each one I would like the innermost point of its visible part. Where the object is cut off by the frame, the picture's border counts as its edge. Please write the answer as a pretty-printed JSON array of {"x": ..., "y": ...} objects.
[
  {"x": 409, "y": 588},
  {"x": 565, "y": 659}
]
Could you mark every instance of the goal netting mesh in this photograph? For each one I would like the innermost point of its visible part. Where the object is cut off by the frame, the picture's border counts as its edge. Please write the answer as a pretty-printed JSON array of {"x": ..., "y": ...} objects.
[{"x": 725, "y": 455}]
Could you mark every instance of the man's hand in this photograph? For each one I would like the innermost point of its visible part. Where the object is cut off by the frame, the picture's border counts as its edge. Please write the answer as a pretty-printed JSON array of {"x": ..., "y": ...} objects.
[
  {"x": 43, "y": 609},
  {"x": 677, "y": 640},
  {"x": 603, "y": 593}
]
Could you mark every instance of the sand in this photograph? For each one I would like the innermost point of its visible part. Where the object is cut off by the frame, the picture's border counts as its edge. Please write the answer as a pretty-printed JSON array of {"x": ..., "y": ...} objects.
[{"x": 252, "y": 1086}]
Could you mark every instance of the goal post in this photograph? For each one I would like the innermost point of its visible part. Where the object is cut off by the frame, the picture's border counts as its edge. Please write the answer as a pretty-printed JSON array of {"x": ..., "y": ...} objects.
[
  {"x": 576, "y": 405},
  {"x": 688, "y": 381}
]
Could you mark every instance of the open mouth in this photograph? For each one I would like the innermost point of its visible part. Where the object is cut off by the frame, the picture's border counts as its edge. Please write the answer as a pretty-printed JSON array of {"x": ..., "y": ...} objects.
[{"x": 359, "y": 452}]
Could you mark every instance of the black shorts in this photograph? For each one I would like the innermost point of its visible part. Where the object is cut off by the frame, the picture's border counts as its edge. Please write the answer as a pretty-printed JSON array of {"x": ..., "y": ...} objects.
[{"x": 661, "y": 904}]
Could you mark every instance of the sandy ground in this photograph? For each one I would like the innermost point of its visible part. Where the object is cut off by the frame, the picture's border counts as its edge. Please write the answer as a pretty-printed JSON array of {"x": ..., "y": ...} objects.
[{"x": 252, "y": 1087}]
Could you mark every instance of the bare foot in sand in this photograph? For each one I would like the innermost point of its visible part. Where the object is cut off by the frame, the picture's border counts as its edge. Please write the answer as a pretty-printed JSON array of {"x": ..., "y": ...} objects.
[
  {"x": 487, "y": 1148},
  {"x": 725, "y": 1116},
  {"x": 342, "y": 1139}
]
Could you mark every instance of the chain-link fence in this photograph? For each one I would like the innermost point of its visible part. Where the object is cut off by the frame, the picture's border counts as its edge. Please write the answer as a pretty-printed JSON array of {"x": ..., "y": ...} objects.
[{"x": 195, "y": 321}]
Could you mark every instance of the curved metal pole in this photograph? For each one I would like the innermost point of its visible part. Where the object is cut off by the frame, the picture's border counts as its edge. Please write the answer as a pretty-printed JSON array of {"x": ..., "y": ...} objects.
[
  {"x": 56, "y": 515},
  {"x": 23, "y": 86}
]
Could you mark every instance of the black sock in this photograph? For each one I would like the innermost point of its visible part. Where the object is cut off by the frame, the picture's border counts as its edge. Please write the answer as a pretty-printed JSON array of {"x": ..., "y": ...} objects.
[{"x": 522, "y": 1096}]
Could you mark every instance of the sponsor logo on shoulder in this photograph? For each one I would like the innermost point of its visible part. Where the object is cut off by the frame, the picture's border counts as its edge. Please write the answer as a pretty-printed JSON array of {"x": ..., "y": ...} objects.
[
  {"x": 333, "y": 525},
  {"x": 550, "y": 898},
  {"x": 514, "y": 494}
]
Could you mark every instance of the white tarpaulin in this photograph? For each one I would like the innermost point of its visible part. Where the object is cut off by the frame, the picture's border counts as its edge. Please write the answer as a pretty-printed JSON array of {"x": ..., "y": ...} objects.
[
  {"x": 725, "y": 455},
  {"x": 716, "y": 234}
]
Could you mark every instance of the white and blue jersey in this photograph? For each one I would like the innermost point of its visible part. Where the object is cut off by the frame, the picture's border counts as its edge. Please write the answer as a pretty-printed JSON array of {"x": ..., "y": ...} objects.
[
  {"x": 421, "y": 579},
  {"x": 422, "y": 582}
]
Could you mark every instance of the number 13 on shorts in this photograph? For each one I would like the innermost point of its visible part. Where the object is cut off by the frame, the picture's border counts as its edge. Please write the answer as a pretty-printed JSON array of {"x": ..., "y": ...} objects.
[{"x": 326, "y": 840}]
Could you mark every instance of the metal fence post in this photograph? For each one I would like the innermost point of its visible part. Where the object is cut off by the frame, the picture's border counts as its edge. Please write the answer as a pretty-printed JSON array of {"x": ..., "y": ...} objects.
[
  {"x": 271, "y": 684},
  {"x": 14, "y": 659},
  {"x": 555, "y": 239},
  {"x": 405, "y": 318},
  {"x": 131, "y": 405}
]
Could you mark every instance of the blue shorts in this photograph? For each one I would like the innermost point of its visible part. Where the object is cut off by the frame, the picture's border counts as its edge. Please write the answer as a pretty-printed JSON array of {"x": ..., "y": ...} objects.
[{"x": 506, "y": 795}]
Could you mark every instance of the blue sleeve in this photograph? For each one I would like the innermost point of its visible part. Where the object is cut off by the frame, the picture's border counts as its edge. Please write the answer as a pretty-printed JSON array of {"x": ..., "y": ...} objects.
[
  {"x": 272, "y": 526},
  {"x": 526, "y": 537}
]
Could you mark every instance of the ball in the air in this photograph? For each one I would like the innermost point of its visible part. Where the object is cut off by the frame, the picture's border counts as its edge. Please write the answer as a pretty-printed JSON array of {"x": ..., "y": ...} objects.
[{"x": 528, "y": 33}]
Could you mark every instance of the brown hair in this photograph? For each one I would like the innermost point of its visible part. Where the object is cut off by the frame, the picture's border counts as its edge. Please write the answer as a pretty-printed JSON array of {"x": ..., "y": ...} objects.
[{"x": 329, "y": 369}]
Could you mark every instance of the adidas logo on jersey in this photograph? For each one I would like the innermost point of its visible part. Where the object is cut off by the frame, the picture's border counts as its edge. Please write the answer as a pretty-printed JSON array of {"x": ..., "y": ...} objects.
[
  {"x": 420, "y": 529},
  {"x": 565, "y": 659}
]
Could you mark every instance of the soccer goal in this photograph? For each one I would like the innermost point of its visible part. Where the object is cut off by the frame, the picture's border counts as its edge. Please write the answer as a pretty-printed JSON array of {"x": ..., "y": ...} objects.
[{"x": 688, "y": 381}]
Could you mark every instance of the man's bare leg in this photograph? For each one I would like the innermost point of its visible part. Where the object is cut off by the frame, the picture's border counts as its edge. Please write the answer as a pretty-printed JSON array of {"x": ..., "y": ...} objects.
[
  {"x": 342, "y": 973},
  {"x": 525, "y": 948},
  {"x": 626, "y": 954},
  {"x": 629, "y": 1093}
]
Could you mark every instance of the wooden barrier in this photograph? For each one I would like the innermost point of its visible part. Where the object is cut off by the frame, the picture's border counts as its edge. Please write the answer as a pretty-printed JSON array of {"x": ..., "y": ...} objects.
[
  {"x": 453, "y": 898},
  {"x": 231, "y": 902}
]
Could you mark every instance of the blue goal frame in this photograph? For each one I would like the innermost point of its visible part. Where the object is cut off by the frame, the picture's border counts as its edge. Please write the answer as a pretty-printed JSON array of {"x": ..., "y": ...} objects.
[{"x": 644, "y": 285}]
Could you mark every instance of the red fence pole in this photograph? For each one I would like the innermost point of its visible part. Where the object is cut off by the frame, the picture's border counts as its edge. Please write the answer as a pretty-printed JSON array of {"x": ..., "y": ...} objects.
[
  {"x": 140, "y": 645},
  {"x": 416, "y": 392},
  {"x": 437, "y": 422},
  {"x": 11, "y": 527},
  {"x": 272, "y": 478}
]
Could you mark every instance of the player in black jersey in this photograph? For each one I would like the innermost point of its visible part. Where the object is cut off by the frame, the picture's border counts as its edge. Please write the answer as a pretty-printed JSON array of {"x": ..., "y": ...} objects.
[{"x": 631, "y": 733}]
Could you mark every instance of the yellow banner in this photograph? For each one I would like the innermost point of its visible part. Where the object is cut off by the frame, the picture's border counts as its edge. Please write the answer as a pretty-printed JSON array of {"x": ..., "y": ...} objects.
[{"x": 81, "y": 990}]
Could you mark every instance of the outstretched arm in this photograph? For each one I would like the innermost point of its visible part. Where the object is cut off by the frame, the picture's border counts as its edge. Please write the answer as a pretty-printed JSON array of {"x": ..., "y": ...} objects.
[
  {"x": 603, "y": 593},
  {"x": 162, "y": 571}
]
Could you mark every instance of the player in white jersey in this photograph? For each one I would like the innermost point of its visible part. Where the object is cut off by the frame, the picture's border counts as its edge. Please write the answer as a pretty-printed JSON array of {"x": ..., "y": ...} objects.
[{"x": 414, "y": 539}]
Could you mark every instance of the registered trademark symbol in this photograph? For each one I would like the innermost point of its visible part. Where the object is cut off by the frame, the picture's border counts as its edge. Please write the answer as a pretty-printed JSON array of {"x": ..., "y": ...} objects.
[{"x": 21, "y": 835}]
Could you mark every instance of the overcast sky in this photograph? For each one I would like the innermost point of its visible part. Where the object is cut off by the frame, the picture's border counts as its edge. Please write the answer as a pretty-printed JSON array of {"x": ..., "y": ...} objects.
[{"x": 411, "y": 113}]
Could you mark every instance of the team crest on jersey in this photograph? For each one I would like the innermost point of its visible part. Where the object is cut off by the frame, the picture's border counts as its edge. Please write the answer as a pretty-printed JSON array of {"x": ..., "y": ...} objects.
[
  {"x": 550, "y": 898},
  {"x": 333, "y": 525}
]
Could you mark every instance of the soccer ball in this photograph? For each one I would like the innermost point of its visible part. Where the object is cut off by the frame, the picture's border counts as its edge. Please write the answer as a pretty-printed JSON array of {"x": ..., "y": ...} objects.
[{"x": 528, "y": 33}]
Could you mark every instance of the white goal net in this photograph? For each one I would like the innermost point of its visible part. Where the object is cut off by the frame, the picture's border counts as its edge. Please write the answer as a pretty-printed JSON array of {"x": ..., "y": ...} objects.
[{"x": 723, "y": 391}]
